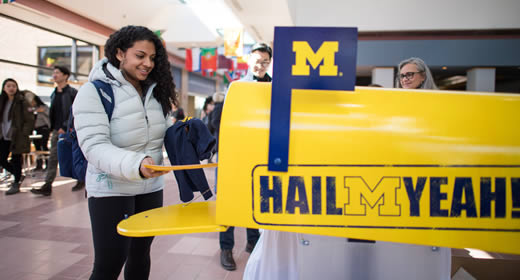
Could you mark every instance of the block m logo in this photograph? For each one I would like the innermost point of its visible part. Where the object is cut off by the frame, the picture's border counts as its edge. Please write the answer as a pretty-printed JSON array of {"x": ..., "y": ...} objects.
[
  {"x": 325, "y": 53},
  {"x": 383, "y": 195}
]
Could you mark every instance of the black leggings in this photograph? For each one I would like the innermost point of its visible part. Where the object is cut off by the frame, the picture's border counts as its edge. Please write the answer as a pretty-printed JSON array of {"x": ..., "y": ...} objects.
[
  {"x": 15, "y": 165},
  {"x": 112, "y": 250}
]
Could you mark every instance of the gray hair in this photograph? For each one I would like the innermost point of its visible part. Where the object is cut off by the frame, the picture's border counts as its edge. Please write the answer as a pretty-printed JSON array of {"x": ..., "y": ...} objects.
[{"x": 428, "y": 82}]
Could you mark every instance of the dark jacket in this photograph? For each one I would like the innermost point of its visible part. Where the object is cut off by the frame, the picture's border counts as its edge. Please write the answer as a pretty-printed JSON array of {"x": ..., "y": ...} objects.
[
  {"x": 189, "y": 142},
  {"x": 22, "y": 123},
  {"x": 69, "y": 93},
  {"x": 214, "y": 120}
]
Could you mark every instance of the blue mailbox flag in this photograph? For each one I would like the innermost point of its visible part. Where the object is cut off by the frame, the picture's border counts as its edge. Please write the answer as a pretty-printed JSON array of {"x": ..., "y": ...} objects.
[{"x": 321, "y": 58}]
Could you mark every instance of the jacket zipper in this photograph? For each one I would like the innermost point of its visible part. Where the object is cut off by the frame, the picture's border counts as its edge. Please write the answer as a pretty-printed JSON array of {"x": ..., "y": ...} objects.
[{"x": 147, "y": 136}]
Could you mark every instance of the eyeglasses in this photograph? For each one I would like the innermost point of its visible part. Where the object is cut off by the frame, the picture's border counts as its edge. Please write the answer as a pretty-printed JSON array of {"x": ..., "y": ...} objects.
[
  {"x": 263, "y": 63},
  {"x": 408, "y": 75}
]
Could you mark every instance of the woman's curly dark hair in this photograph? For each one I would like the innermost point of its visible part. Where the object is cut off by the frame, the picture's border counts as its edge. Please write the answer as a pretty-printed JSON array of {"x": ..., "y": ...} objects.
[{"x": 124, "y": 39}]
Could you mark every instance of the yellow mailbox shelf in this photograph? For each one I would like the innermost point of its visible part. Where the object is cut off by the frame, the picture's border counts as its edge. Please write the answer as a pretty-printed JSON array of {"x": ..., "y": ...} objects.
[{"x": 174, "y": 219}]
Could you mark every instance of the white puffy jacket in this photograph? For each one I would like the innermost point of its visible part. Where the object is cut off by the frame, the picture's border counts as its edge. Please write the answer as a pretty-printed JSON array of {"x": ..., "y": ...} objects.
[{"x": 115, "y": 149}]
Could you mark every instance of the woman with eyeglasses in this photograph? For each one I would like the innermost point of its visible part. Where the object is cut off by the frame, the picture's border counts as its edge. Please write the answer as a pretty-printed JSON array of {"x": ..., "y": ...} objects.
[{"x": 414, "y": 74}]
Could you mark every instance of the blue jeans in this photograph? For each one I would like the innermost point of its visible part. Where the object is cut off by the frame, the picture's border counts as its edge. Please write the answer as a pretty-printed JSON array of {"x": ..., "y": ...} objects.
[{"x": 227, "y": 238}]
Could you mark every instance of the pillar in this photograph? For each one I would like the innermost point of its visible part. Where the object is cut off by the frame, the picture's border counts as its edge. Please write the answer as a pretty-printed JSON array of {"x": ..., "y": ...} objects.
[
  {"x": 481, "y": 79},
  {"x": 383, "y": 76},
  {"x": 183, "y": 97}
]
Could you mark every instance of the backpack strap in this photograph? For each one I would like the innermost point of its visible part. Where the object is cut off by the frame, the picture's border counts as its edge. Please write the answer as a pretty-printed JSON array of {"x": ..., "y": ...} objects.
[{"x": 106, "y": 95}]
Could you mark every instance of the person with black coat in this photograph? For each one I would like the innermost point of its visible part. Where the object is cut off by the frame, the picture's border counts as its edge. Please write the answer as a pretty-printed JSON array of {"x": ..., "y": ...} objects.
[
  {"x": 216, "y": 113},
  {"x": 17, "y": 124}
]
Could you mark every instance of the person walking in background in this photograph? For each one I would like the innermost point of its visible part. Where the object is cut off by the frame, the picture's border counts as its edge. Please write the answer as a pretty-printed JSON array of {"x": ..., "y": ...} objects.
[
  {"x": 42, "y": 126},
  {"x": 17, "y": 124},
  {"x": 118, "y": 185},
  {"x": 61, "y": 100},
  {"x": 215, "y": 115},
  {"x": 413, "y": 73},
  {"x": 208, "y": 107},
  {"x": 206, "y": 110},
  {"x": 258, "y": 63}
]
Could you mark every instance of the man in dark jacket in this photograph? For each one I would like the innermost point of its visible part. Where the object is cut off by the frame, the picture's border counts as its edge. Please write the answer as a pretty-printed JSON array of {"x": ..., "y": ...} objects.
[
  {"x": 61, "y": 101},
  {"x": 259, "y": 61}
]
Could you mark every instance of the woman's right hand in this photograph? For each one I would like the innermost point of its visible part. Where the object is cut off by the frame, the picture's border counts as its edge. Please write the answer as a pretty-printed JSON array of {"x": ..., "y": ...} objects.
[{"x": 147, "y": 172}]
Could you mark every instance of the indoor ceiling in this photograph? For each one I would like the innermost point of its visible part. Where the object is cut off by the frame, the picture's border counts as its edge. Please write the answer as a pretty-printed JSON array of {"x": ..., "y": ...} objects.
[
  {"x": 41, "y": 19},
  {"x": 177, "y": 20},
  {"x": 260, "y": 17},
  {"x": 184, "y": 28}
]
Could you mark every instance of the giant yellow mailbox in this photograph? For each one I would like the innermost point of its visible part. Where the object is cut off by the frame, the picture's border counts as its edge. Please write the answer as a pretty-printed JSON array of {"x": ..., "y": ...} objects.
[
  {"x": 423, "y": 167},
  {"x": 426, "y": 167}
]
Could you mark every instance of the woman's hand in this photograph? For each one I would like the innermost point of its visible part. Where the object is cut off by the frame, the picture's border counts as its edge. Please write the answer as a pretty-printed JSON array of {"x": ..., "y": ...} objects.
[{"x": 147, "y": 172}]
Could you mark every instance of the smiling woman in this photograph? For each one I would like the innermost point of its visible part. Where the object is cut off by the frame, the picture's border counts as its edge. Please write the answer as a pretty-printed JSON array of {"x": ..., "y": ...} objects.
[
  {"x": 413, "y": 73},
  {"x": 118, "y": 182},
  {"x": 137, "y": 62}
]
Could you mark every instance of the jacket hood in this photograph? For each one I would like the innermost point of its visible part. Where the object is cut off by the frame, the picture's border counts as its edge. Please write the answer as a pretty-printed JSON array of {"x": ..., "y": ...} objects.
[{"x": 106, "y": 72}]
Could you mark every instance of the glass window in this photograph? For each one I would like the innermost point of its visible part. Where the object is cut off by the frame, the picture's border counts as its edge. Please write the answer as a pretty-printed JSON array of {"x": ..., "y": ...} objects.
[{"x": 61, "y": 55}]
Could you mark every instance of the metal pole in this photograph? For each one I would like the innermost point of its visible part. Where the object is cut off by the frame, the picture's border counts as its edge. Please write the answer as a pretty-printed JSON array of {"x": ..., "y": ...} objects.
[
  {"x": 95, "y": 54},
  {"x": 73, "y": 59}
]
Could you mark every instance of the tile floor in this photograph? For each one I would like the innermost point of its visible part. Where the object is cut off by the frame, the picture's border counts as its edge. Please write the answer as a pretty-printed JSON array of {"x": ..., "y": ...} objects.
[{"x": 50, "y": 238}]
